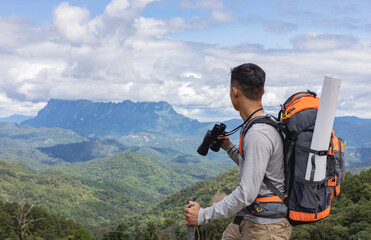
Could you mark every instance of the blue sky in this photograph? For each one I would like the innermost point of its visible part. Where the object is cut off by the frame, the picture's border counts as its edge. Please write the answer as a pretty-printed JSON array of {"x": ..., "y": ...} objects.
[{"x": 181, "y": 52}]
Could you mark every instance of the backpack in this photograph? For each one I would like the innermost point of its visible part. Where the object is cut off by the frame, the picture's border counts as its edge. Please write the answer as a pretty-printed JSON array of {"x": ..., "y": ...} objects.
[{"x": 306, "y": 200}]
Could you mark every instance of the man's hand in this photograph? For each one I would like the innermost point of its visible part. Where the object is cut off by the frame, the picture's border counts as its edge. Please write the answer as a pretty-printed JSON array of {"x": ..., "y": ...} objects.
[
  {"x": 225, "y": 141},
  {"x": 191, "y": 213}
]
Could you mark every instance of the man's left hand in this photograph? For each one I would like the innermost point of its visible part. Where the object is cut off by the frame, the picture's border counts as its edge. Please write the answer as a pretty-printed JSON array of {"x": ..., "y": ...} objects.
[{"x": 191, "y": 213}]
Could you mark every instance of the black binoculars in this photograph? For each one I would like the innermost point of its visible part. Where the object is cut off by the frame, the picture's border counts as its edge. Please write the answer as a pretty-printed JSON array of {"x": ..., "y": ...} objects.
[{"x": 211, "y": 139}]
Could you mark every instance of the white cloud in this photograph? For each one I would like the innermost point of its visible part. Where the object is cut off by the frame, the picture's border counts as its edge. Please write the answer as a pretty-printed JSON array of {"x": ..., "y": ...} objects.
[
  {"x": 150, "y": 27},
  {"x": 122, "y": 55},
  {"x": 178, "y": 24},
  {"x": 279, "y": 26},
  {"x": 117, "y": 8},
  {"x": 10, "y": 31},
  {"x": 9, "y": 106},
  {"x": 192, "y": 75},
  {"x": 344, "y": 22},
  {"x": 217, "y": 9},
  {"x": 222, "y": 16},
  {"x": 73, "y": 23},
  {"x": 319, "y": 41},
  {"x": 203, "y": 4}
]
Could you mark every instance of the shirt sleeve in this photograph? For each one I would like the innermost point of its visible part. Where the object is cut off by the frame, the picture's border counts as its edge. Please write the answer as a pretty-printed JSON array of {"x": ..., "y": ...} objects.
[
  {"x": 233, "y": 152},
  {"x": 257, "y": 150}
]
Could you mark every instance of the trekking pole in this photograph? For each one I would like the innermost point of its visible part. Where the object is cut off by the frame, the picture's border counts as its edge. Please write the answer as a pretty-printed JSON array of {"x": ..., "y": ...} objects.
[{"x": 190, "y": 230}]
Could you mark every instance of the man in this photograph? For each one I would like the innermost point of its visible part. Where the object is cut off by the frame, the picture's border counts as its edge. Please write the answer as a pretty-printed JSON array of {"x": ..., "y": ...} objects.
[{"x": 259, "y": 156}]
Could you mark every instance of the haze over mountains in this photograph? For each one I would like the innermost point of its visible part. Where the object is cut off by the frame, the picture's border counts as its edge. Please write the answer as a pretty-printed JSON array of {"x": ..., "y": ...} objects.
[
  {"x": 103, "y": 129},
  {"x": 120, "y": 120},
  {"x": 157, "y": 124}
]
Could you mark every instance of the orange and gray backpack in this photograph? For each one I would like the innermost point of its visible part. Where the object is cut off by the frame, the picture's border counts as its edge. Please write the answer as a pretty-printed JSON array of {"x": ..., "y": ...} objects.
[{"x": 306, "y": 200}]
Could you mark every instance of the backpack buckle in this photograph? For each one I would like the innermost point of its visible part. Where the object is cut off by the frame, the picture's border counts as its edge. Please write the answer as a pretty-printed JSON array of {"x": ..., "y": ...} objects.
[
  {"x": 322, "y": 153},
  {"x": 312, "y": 93}
]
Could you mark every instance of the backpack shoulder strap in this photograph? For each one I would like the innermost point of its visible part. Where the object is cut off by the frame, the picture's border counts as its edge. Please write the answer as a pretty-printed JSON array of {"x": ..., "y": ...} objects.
[{"x": 268, "y": 119}]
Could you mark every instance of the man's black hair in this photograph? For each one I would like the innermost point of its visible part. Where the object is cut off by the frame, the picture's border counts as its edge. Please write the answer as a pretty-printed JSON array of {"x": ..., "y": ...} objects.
[{"x": 249, "y": 78}]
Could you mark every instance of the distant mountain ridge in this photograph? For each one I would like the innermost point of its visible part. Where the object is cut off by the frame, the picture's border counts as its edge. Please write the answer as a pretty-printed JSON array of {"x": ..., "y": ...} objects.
[
  {"x": 131, "y": 121},
  {"x": 157, "y": 124},
  {"x": 16, "y": 118},
  {"x": 100, "y": 119}
]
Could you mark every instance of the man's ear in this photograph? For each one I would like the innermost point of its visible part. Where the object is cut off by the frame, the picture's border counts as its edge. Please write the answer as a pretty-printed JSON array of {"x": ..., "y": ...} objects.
[
  {"x": 263, "y": 91},
  {"x": 235, "y": 91}
]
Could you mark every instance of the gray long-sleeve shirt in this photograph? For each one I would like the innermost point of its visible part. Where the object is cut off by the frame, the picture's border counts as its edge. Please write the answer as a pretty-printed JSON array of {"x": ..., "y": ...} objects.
[{"x": 263, "y": 156}]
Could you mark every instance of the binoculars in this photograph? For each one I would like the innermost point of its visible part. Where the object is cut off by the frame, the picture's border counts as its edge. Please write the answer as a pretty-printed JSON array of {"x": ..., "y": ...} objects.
[{"x": 211, "y": 139}]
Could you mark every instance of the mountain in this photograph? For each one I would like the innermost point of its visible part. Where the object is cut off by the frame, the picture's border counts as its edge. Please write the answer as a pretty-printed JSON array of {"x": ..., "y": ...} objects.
[
  {"x": 43, "y": 147},
  {"x": 156, "y": 177},
  {"x": 153, "y": 123},
  {"x": 17, "y": 152},
  {"x": 99, "y": 119},
  {"x": 19, "y": 144},
  {"x": 357, "y": 134},
  {"x": 38, "y": 137},
  {"x": 65, "y": 195},
  {"x": 136, "y": 124},
  {"x": 356, "y": 131},
  {"x": 89, "y": 150},
  {"x": 16, "y": 118},
  {"x": 157, "y": 125}
]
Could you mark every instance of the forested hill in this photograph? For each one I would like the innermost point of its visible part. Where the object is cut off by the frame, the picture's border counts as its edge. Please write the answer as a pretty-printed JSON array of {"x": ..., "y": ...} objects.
[
  {"x": 101, "y": 190},
  {"x": 43, "y": 226},
  {"x": 350, "y": 217}
]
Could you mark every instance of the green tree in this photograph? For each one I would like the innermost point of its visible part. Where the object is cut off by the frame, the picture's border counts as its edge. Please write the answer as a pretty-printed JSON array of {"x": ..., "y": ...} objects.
[
  {"x": 83, "y": 234},
  {"x": 139, "y": 234},
  {"x": 151, "y": 232},
  {"x": 118, "y": 234},
  {"x": 169, "y": 230},
  {"x": 301, "y": 235},
  {"x": 7, "y": 227}
]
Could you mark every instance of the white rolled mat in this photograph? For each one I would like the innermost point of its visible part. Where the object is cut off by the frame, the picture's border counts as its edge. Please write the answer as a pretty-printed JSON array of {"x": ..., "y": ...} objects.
[{"x": 323, "y": 126}]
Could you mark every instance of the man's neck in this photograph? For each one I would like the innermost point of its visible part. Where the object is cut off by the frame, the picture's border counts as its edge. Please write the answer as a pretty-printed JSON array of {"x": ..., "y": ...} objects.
[{"x": 249, "y": 107}]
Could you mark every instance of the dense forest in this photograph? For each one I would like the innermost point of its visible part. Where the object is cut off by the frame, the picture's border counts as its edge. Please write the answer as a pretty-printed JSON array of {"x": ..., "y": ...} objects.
[
  {"x": 99, "y": 191},
  {"x": 350, "y": 216}
]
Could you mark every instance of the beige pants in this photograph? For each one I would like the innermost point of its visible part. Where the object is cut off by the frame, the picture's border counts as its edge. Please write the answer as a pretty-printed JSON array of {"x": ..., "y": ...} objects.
[{"x": 248, "y": 230}]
